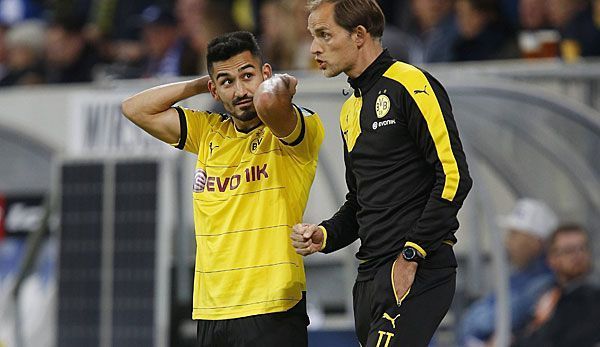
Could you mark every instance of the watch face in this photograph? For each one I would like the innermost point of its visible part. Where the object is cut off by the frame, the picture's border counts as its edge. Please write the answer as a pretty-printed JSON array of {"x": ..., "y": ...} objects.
[{"x": 408, "y": 253}]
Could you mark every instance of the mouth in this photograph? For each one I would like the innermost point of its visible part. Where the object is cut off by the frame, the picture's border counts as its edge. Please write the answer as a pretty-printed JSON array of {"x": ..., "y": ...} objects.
[
  {"x": 244, "y": 103},
  {"x": 322, "y": 64}
]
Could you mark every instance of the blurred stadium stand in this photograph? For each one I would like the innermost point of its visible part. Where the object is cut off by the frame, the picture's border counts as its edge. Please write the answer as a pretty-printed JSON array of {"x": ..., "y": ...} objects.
[{"x": 123, "y": 201}]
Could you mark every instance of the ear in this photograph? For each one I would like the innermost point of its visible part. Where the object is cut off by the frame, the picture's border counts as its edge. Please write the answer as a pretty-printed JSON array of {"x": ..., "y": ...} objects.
[
  {"x": 359, "y": 35},
  {"x": 267, "y": 71},
  {"x": 212, "y": 88}
]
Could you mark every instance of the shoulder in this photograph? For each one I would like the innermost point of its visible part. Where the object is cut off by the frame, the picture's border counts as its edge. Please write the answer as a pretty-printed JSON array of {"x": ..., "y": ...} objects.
[
  {"x": 305, "y": 112},
  {"x": 210, "y": 117},
  {"x": 409, "y": 76}
]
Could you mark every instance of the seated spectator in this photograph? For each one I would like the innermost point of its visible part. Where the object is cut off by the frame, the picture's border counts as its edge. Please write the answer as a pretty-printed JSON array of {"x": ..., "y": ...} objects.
[
  {"x": 69, "y": 57},
  {"x": 191, "y": 17},
  {"x": 3, "y": 30},
  {"x": 161, "y": 40},
  {"x": 536, "y": 38},
  {"x": 568, "y": 313},
  {"x": 483, "y": 35},
  {"x": 579, "y": 31},
  {"x": 168, "y": 53},
  {"x": 435, "y": 31},
  {"x": 533, "y": 14},
  {"x": 24, "y": 52},
  {"x": 284, "y": 39},
  {"x": 528, "y": 225}
]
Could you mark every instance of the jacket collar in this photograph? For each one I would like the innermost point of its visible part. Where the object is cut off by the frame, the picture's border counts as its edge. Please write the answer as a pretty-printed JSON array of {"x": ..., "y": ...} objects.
[{"x": 367, "y": 79}]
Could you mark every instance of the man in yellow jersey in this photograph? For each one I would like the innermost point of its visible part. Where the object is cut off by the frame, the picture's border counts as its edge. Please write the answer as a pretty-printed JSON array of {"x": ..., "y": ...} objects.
[
  {"x": 253, "y": 175},
  {"x": 406, "y": 173}
]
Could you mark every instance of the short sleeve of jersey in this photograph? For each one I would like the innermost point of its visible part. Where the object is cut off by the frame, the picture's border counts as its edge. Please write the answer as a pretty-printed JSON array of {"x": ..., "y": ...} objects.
[
  {"x": 306, "y": 138},
  {"x": 195, "y": 125}
]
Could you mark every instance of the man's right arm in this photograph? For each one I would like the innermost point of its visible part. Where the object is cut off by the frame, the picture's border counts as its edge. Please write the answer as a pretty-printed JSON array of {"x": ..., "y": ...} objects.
[
  {"x": 152, "y": 109},
  {"x": 335, "y": 233},
  {"x": 342, "y": 229}
]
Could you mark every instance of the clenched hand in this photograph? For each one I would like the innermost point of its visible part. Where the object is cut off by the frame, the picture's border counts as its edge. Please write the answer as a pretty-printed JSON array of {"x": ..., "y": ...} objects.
[{"x": 307, "y": 238}]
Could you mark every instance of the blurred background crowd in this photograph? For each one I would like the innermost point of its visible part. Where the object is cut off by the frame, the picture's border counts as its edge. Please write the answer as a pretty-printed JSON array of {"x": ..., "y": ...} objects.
[{"x": 64, "y": 41}]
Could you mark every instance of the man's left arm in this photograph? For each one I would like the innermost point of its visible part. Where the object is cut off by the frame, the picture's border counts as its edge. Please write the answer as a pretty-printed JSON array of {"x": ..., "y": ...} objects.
[
  {"x": 273, "y": 102},
  {"x": 299, "y": 129},
  {"x": 434, "y": 130}
]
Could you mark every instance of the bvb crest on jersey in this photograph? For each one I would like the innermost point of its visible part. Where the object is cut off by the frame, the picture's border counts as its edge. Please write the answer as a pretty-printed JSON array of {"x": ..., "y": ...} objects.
[
  {"x": 256, "y": 141},
  {"x": 382, "y": 105}
]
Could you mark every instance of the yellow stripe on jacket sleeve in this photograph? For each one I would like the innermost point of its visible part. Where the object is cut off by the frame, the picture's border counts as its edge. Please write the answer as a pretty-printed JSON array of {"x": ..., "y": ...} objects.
[{"x": 414, "y": 80}]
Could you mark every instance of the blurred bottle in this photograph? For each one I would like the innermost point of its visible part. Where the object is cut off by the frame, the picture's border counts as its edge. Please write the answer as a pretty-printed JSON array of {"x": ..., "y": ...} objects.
[{"x": 539, "y": 44}]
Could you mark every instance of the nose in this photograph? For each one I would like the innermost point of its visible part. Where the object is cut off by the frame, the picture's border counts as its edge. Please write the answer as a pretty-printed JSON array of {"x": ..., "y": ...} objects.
[
  {"x": 315, "y": 48},
  {"x": 240, "y": 90}
]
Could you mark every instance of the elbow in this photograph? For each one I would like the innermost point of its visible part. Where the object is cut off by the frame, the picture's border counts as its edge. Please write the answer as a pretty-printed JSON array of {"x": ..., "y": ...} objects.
[{"x": 126, "y": 108}]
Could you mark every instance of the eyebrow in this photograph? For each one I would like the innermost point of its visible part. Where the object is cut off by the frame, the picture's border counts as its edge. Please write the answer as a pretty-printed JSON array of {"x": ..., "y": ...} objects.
[
  {"x": 319, "y": 29},
  {"x": 246, "y": 66},
  {"x": 225, "y": 74}
]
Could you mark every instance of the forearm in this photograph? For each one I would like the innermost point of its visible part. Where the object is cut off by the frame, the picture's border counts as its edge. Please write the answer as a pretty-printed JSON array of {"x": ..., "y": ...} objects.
[
  {"x": 151, "y": 109},
  {"x": 159, "y": 99},
  {"x": 341, "y": 229},
  {"x": 273, "y": 102}
]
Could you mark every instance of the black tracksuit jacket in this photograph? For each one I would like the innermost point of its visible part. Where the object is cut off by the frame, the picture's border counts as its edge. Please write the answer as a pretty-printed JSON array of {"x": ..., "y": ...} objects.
[{"x": 406, "y": 171}]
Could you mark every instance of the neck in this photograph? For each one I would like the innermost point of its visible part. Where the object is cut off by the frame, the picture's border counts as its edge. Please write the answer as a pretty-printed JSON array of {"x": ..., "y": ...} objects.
[
  {"x": 246, "y": 126},
  {"x": 366, "y": 56}
]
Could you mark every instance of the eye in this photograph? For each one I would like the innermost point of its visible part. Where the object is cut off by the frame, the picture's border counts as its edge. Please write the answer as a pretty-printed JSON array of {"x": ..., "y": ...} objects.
[
  {"x": 248, "y": 75},
  {"x": 325, "y": 35},
  {"x": 226, "y": 82}
]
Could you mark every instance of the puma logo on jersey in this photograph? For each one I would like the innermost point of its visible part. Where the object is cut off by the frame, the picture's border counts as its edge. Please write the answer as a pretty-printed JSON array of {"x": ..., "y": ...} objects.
[
  {"x": 424, "y": 91},
  {"x": 211, "y": 147},
  {"x": 393, "y": 320}
]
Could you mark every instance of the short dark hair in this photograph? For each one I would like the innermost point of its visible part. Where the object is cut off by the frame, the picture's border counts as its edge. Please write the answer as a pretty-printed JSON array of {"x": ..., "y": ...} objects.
[
  {"x": 351, "y": 13},
  {"x": 565, "y": 229},
  {"x": 228, "y": 45}
]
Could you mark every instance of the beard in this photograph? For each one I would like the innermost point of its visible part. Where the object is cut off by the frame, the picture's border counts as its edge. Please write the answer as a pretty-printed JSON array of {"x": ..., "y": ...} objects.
[
  {"x": 246, "y": 115},
  {"x": 243, "y": 114}
]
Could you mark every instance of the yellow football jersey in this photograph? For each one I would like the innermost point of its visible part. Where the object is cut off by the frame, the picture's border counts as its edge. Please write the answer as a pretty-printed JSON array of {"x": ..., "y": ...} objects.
[{"x": 249, "y": 190}]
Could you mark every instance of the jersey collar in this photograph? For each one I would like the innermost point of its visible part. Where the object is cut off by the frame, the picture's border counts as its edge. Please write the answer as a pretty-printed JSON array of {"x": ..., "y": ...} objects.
[
  {"x": 367, "y": 79},
  {"x": 247, "y": 133}
]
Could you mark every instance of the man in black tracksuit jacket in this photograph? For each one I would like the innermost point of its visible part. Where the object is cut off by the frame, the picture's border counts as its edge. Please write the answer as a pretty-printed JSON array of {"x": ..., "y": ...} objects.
[{"x": 407, "y": 178}]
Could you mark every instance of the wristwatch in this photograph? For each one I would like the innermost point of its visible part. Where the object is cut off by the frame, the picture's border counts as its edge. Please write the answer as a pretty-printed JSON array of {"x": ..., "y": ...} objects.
[{"x": 411, "y": 254}]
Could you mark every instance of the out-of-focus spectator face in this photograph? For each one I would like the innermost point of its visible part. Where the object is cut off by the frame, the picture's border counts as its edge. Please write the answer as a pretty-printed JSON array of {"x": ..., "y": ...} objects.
[
  {"x": 269, "y": 12},
  {"x": 301, "y": 16},
  {"x": 159, "y": 30},
  {"x": 24, "y": 44},
  {"x": 569, "y": 255},
  {"x": 532, "y": 13},
  {"x": 430, "y": 12},
  {"x": 2, "y": 44},
  {"x": 561, "y": 11},
  {"x": 63, "y": 47},
  {"x": 186, "y": 7},
  {"x": 522, "y": 247},
  {"x": 278, "y": 21},
  {"x": 158, "y": 38},
  {"x": 189, "y": 14},
  {"x": 470, "y": 21}
]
